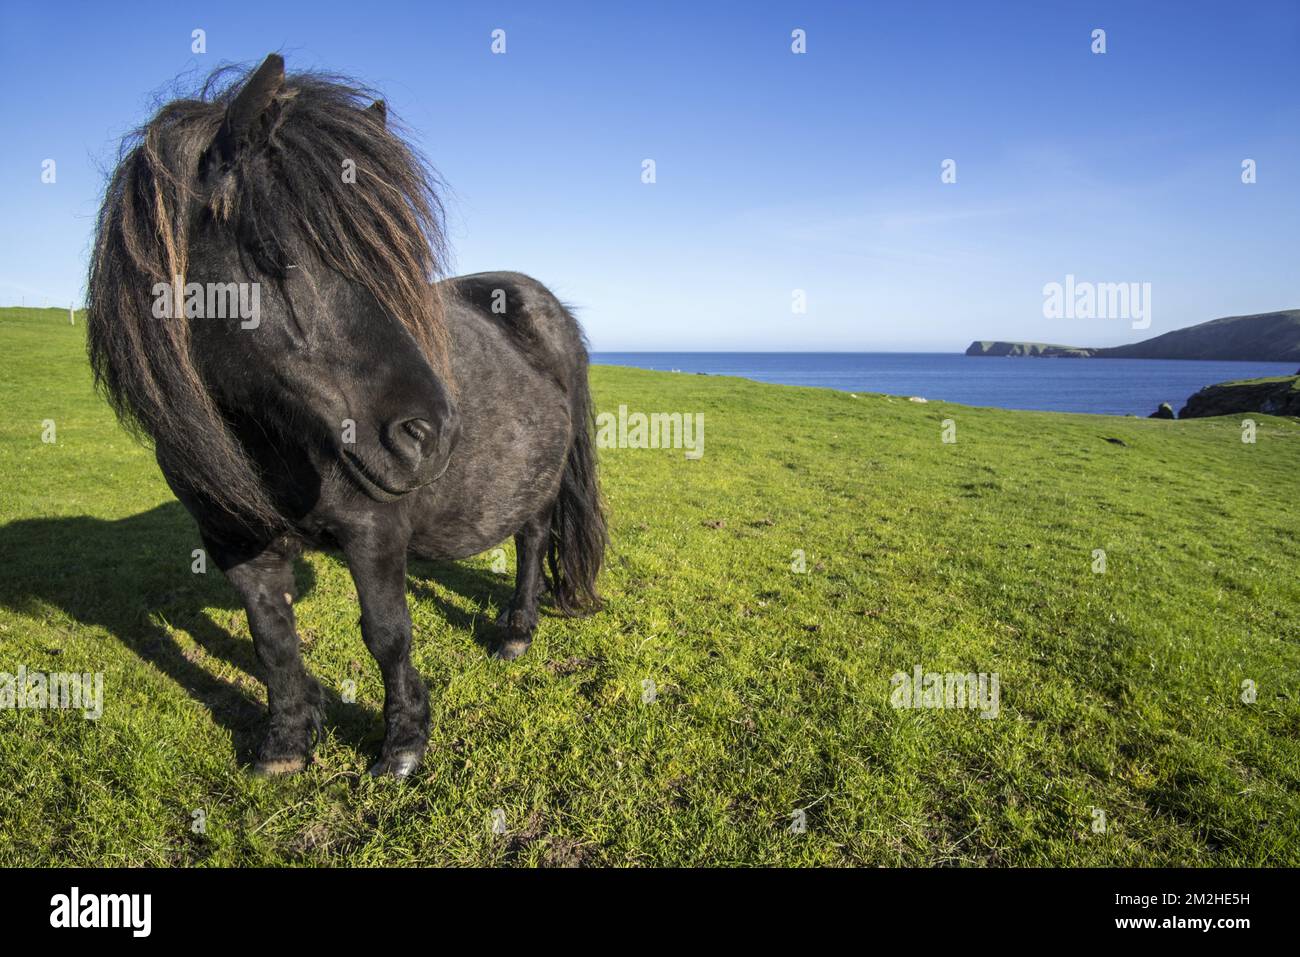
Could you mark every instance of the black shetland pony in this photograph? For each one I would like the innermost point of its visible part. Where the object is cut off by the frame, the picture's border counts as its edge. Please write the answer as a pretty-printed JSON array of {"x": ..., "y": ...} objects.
[{"x": 360, "y": 405}]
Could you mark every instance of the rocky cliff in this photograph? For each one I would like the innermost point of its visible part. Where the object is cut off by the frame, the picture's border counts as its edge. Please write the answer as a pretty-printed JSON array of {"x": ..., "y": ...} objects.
[
  {"x": 1276, "y": 396},
  {"x": 1263, "y": 337}
]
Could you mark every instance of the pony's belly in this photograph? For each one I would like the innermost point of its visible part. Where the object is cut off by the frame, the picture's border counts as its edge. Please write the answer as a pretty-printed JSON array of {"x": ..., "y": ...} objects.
[
  {"x": 451, "y": 544},
  {"x": 515, "y": 434},
  {"x": 453, "y": 533}
]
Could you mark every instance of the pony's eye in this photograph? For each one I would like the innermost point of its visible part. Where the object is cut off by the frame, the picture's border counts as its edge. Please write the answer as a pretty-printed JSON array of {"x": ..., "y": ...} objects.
[{"x": 294, "y": 326}]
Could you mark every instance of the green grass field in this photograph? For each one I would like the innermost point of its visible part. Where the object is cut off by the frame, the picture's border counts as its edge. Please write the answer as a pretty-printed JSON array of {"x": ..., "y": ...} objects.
[{"x": 1121, "y": 693}]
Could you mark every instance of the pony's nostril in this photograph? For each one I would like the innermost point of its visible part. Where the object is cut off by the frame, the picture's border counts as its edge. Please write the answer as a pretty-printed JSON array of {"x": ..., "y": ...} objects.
[
  {"x": 413, "y": 439},
  {"x": 418, "y": 429},
  {"x": 410, "y": 440},
  {"x": 416, "y": 443}
]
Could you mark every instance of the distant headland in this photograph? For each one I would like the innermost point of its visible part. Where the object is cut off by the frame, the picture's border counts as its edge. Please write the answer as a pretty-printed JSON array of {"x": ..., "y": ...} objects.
[{"x": 1263, "y": 337}]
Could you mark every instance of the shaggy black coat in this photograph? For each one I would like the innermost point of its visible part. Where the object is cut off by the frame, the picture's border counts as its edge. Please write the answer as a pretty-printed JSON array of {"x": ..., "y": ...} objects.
[{"x": 365, "y": 407}]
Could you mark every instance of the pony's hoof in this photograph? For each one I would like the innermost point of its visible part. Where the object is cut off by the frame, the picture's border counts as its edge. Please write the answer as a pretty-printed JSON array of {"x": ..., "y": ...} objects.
[
  {"x": 275, "y": 767},
  {"x": 510, "y": 648},
  {"x": 518, "y": 627},
  {"x": 399, "y": 765}
]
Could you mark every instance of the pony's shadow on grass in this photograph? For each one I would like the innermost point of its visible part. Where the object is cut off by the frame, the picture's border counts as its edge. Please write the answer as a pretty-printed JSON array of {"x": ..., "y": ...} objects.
[
  {"x": 481, "y": 588},
  {"x": 124, "y": 576}
]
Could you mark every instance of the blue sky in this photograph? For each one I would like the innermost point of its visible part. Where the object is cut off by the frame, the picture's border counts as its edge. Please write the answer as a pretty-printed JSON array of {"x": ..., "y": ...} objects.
[{"x": 775, "y": 171}]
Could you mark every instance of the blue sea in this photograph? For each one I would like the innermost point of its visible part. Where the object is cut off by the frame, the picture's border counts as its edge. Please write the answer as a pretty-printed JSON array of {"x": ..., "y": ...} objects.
[{"x": 1103, "y": 386}]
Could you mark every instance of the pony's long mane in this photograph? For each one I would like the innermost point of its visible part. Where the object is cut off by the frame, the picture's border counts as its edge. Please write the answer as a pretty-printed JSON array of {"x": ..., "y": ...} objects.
[{"x": 384, "y": 231}]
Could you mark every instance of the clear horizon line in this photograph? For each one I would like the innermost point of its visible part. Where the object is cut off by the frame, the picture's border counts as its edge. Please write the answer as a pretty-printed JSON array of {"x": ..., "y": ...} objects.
[{"x": 773, "y": 352}]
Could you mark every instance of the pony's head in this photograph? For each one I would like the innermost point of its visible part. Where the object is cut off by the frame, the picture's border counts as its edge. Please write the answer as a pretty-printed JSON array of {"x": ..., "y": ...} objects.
[{"x": 263, "y": 266}]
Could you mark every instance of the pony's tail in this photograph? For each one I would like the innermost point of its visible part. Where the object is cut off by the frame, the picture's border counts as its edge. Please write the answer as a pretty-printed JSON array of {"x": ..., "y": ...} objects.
[{"x": 578, "y": 532}]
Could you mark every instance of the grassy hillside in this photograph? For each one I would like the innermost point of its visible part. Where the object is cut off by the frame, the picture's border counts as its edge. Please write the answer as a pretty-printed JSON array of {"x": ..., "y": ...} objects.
[
  {"x": 1263, "y": 337},
  {"x": 1120, "y": 691}
]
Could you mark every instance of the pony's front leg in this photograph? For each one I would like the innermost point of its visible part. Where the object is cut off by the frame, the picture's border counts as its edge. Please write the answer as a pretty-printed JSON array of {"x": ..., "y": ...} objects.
[
  {"x": 378, "y": 568},
  {"x": 265, "y": 584}
]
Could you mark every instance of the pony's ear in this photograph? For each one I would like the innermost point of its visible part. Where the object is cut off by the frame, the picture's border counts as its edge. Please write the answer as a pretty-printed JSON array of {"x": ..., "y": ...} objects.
[
  {"x": 379, "y": 110},
  {"x": 243, "y": 126}
]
